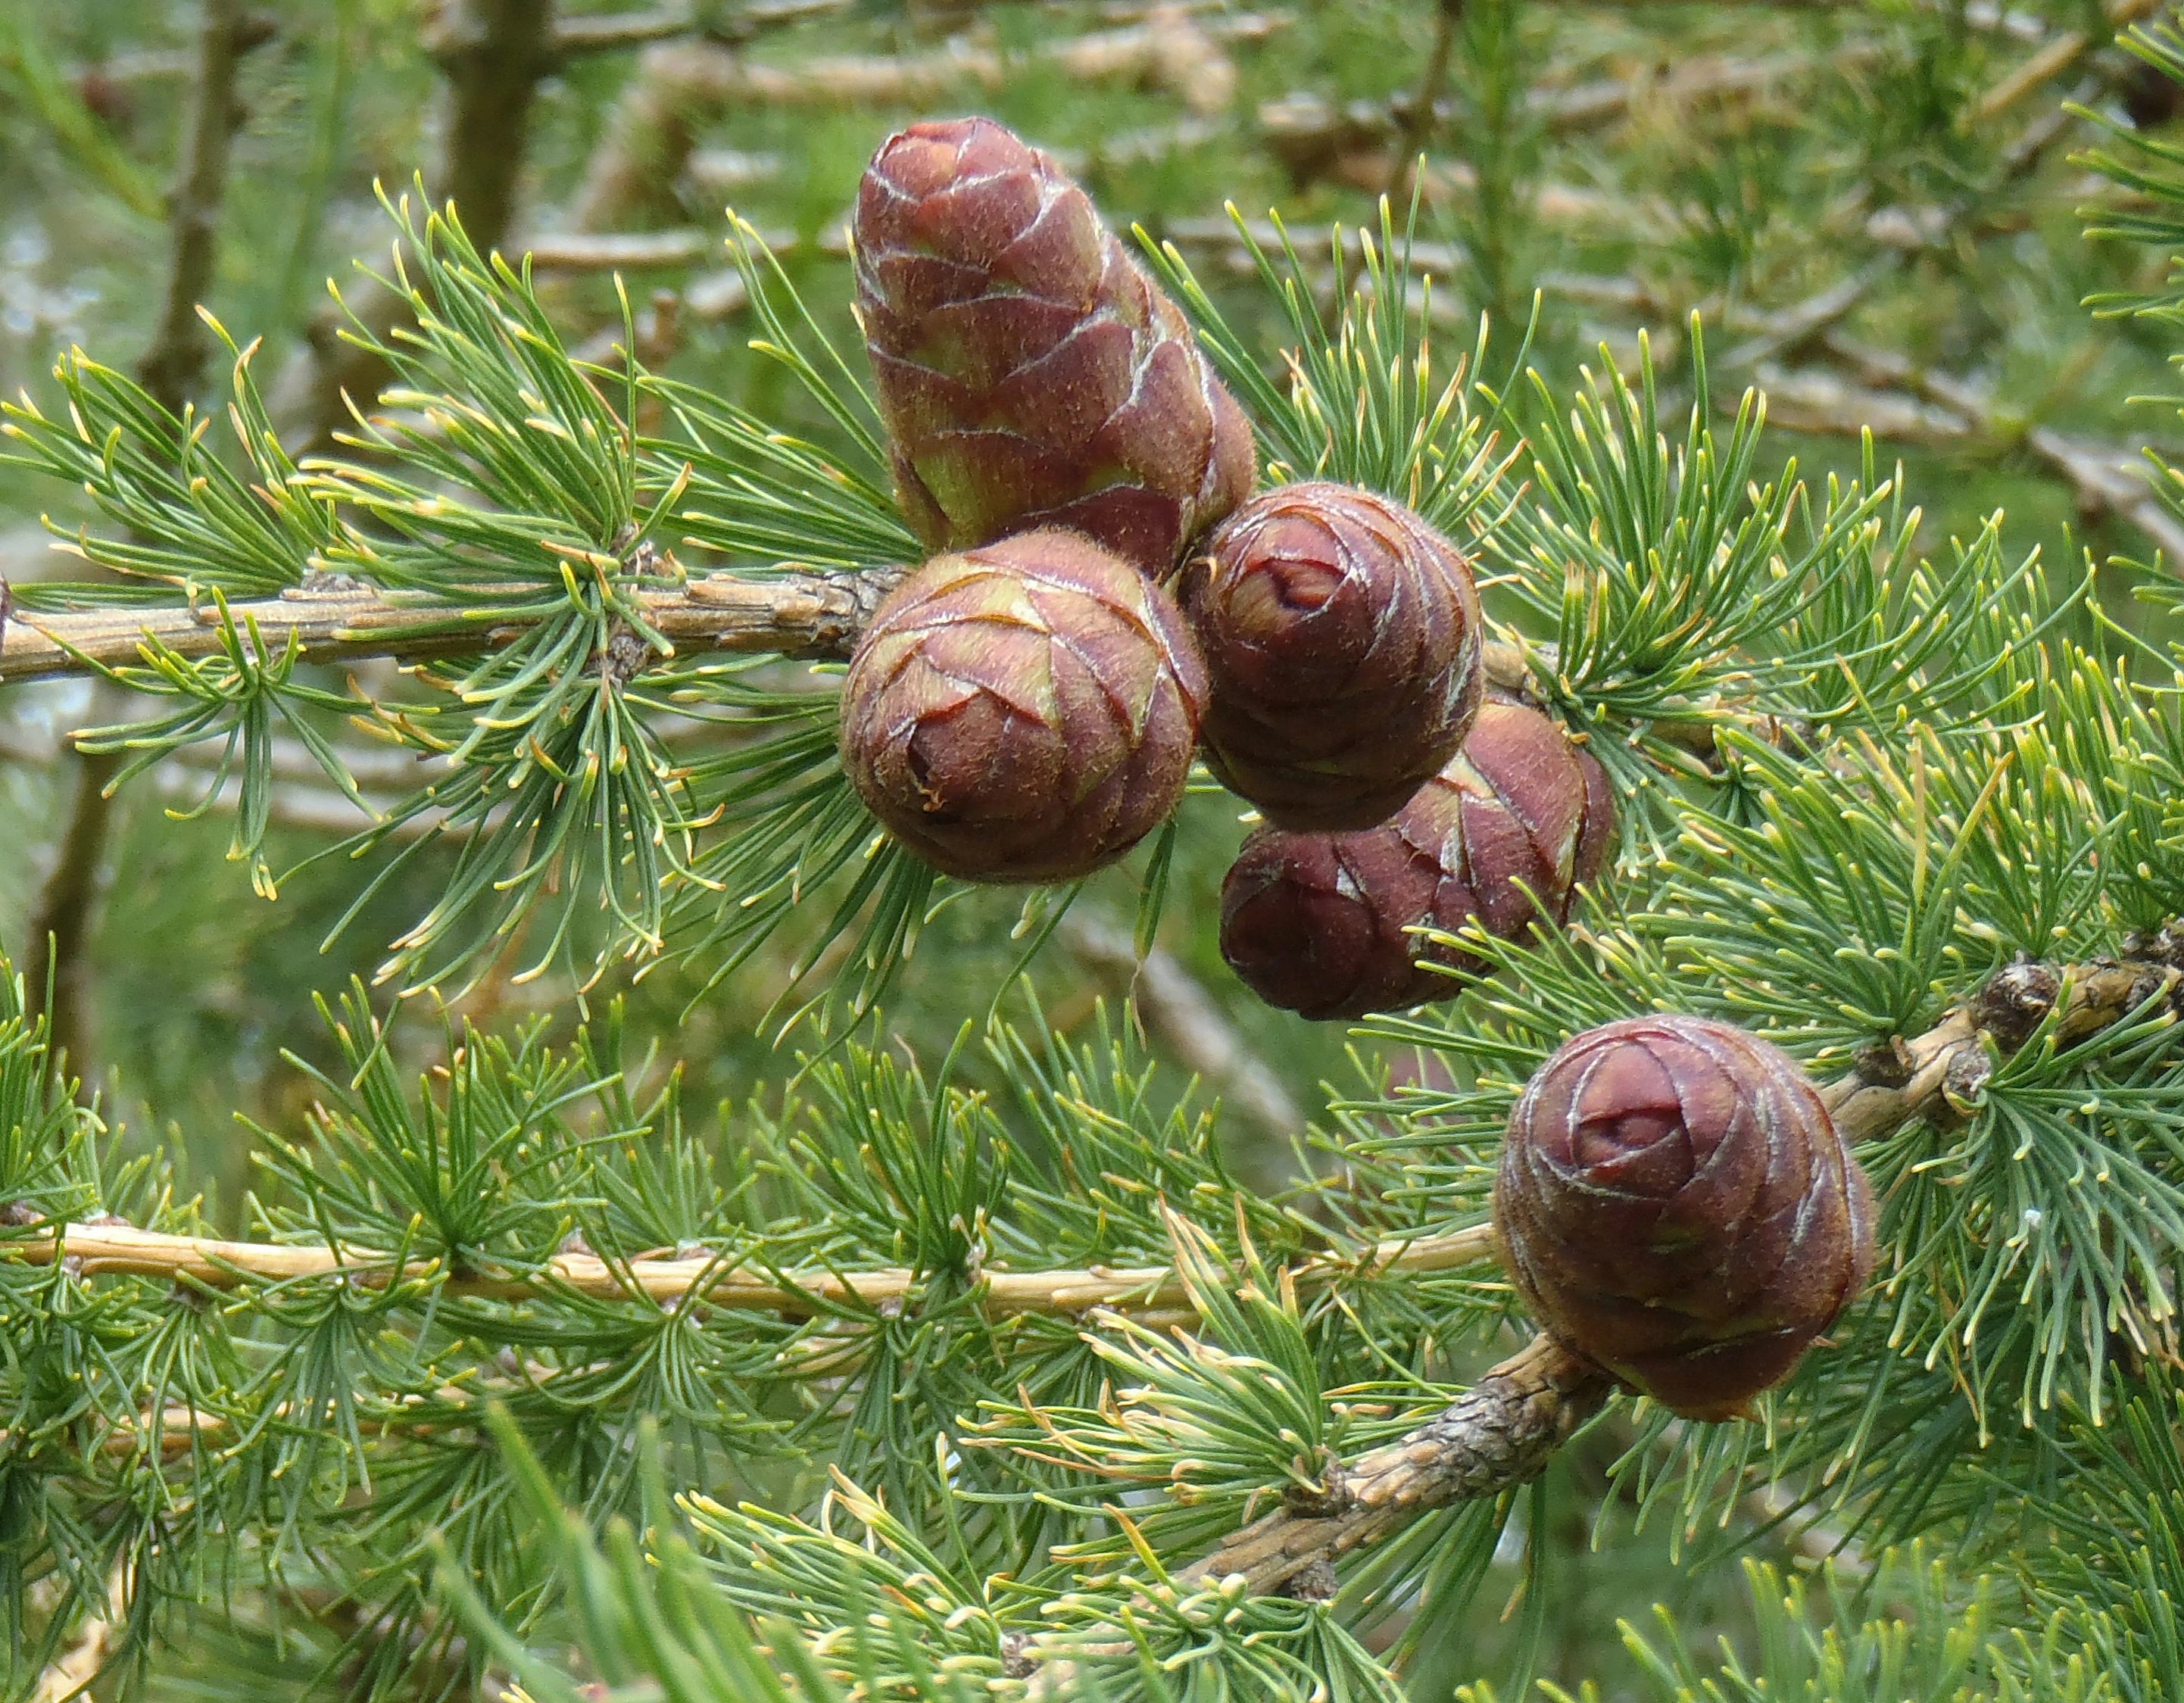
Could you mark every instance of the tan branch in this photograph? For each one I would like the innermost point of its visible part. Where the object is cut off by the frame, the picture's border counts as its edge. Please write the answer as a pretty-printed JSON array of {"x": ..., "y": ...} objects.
[
  {"x": 1946, "y": 408},
  {"x": 795, "y": 614},
  {"x": 680, "y": 87},
  {"x": 1152, "y": 1292},
  {"x": 1173, "y": 1006},
  {"x": 1502, "y": 1433},
  {"x": 622, "y": 251},
  {"x": 2057, "y": 57},
  {"x": 70, "y": 1673}
]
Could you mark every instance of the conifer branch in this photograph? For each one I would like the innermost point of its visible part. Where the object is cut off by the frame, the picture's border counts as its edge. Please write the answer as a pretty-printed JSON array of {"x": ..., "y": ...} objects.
[
  {"x": 1151, "y": 1293},
  {"x": 1501, "y": 1433},
  {"x": 795, "y": 614},
  {"x": 1497, "y": 1434}
]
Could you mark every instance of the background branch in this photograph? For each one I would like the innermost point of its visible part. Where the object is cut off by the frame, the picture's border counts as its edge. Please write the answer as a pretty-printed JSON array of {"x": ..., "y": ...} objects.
[{"x": 57, "y": 935}]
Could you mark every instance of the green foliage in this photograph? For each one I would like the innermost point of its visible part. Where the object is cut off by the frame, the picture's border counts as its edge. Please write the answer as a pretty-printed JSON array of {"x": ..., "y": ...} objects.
[
  {"x": 1927, "y": 1644},
  {"x": 550, "y": 1375}
]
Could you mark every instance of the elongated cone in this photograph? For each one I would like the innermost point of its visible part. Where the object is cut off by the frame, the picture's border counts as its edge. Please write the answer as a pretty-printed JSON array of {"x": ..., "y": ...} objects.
[
  {"x": 1029, "y": 374},
  {"x": 1677, "y": 1206},
  {"x": 1314, "y": 922},
  {"x": 1023, "y": 712},
  {"x": 1342, "y": 635}
]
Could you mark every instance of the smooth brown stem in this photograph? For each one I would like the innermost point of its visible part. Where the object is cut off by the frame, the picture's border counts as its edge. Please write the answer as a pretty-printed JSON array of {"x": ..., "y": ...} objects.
[
  {"x": 173, "y": 365},
  {"x": 492, "y": 54},
  {"x": 1417, "y": 119}
]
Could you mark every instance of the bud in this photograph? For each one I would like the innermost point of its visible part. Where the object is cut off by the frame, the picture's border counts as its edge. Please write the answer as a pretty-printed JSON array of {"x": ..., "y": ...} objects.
[
  {"x": 1029, "y": 374},
  {"x": 1342, "y": 635},
  {"x": 1677, "y": 1206},
  {"x": 1315, "y": 922},
  {"x": 1023, "y": 712}
]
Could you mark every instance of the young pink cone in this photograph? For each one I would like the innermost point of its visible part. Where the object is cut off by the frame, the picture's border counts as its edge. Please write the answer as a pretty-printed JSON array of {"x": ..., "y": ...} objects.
[
  {"x": 1316, "y": 923},
  {"x": 1028, "y": 372},
  {"x": 1677, "y": 1206},
  {"x": 1024, "y": 712}
]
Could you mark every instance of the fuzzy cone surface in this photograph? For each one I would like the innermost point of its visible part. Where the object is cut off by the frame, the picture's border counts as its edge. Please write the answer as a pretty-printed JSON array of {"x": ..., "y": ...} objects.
[
  {"x": 1678, "y": 1207},
  {"x": 1342, "y": 635},
  {"x": 1023, "y": 712},
  {"x": 1315, "y": 922},
  {"x": 1028, "y": 372}
]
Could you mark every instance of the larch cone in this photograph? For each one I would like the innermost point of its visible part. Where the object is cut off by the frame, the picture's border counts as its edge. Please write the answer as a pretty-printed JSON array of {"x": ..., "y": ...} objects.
[
  {"x": 1316, "y": 923},
  {"x": 1342, "y": 638},
  {"x": 1028, "y": 372},
  {"x": 1025, "y": 711},
  {"x": 1678, "y": 1207}
]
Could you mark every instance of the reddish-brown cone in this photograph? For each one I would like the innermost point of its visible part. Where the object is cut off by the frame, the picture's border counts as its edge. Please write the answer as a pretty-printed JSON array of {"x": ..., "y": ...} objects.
[
  {"x": 1315, "y": 922},
  {"x": 1023, "y": 712},
  {"x": 1342, "y": 635},
  {"x": 1677, "y": 1206},
  {"x": 1029, "y": 374}
]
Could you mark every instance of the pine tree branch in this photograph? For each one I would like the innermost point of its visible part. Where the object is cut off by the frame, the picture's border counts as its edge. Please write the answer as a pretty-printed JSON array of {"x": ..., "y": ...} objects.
[
  {"x": 1501, "y": 1433},
  {"x": 1150, "y": 1293},
  {"x": 680, "y": 86},
  {"x": 796, "y": 615},
  {"x": 2057, "y": 57}
]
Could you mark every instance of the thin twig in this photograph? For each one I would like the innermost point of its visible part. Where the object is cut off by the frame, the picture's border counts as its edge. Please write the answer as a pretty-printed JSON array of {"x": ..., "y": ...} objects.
[
  {"x": 680, "y": 86},
  {"x": 1174, "y": 1005},
  {"x": 1150, "y": 1293},
  {"x": 793, "y": 614},
  {"x": 2057, "y": 57},
  {"x": 2097, "y": 473},
  {"x": 493, "y": 55},
  {"x": 1416, "y": 127}
]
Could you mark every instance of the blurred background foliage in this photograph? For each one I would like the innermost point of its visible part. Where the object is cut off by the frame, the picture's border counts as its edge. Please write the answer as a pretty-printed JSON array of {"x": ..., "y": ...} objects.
[{"x": 1874, "y": 206}]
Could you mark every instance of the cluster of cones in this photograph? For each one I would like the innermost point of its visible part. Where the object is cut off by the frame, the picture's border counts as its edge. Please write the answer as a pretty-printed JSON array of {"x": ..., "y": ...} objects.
[{"x": 1108, "y": 597}]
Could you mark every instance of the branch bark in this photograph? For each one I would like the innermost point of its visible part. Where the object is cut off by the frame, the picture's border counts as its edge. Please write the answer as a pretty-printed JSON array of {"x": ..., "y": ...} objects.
[
  {"x": 1499, "y": 1433},
  {"x": 796, "y": 615},
  {"x": 1151, "y": 1293}
]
